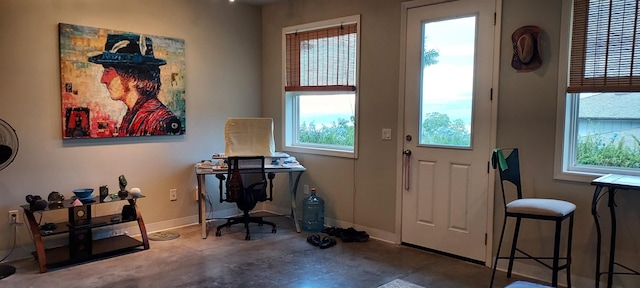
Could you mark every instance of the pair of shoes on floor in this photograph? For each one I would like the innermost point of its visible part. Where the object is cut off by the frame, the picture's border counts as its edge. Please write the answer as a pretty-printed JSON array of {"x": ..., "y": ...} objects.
[
  {"x": 323, "y": 243},
  {"x": 347, "y": 235},
  {"x": 332, "y": 231}
]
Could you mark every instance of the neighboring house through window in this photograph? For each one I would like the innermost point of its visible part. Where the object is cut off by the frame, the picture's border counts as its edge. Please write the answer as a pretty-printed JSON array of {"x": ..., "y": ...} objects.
[
  {"x": 320, "y": 89},
  {"x": 599, "y": 102}
]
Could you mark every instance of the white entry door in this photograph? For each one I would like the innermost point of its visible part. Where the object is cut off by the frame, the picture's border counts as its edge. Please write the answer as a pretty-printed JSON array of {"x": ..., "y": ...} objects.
[{"x": 447, "y": 126}]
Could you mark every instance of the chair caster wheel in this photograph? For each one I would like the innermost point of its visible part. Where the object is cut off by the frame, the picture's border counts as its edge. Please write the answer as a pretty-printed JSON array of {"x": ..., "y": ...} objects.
[
  {"x": 218, "y": 233},
  {"x": 273, "y": 230}
]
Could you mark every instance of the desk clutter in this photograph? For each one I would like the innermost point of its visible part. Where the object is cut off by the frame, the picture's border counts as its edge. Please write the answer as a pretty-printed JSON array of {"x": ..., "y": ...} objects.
[{"x": 219, "y": 162}]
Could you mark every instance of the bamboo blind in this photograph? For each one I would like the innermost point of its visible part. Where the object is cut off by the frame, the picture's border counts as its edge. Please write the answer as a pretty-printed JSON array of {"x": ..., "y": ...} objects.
[
  {"x": 322, "y": 59},
  {"x": 604, "y": 54}
]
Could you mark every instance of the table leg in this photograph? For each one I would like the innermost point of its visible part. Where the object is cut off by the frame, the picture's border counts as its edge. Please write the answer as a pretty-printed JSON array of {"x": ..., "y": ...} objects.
[
  {"x": 612, "y": 250},
  {"x": 202, "y": 211},
  {"x": 143, "y": 229},
  {"x": 594, "y": 212},
  {"x": 37, "y": 239},
  {"x": 293, "y": 188}
]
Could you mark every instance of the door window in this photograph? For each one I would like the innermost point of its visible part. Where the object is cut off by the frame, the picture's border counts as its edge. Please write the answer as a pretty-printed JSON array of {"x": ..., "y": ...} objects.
[{"x": 447, "y": 82}]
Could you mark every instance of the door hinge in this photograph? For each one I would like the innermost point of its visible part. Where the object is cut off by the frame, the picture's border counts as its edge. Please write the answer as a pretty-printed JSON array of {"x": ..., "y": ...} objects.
[
  {"x": 488, "y": 165},
  {"x": 494, "y": 19},
  {"x": 491, "y": 94},
  {"x": 485, "y": 239}
]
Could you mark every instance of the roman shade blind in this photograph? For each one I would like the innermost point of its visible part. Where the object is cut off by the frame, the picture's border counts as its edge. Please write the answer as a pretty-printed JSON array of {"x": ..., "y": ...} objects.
[
  {"x": 605, "y": 53},
  {"x": 322, "y": 59}
]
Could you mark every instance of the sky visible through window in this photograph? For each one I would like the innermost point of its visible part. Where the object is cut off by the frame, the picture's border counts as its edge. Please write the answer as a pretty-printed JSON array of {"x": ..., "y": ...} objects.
[
  {"x": 448, "y": 85},
  {"x": 326, "y": 109}
]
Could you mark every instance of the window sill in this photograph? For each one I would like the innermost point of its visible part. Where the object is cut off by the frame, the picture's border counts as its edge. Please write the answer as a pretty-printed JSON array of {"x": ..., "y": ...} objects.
[
  {"x": 587, "y": 177},
  {"x": 320, "y": 151},
  {"x": 581, "y": 177}
]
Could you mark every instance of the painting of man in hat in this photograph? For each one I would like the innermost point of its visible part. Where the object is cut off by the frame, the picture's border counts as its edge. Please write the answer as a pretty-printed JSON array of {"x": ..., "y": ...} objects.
[{"x": 124, "y": 93}]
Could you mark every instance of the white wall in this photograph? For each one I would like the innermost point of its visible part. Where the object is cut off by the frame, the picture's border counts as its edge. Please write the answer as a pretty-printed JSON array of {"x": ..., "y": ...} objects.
[
  {"x": 223, "y": 60},
  {"x": 358, "y": 192}
]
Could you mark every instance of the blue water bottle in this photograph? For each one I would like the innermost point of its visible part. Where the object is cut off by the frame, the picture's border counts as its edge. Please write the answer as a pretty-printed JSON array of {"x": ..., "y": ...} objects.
[{"x": 313, "y": 213}]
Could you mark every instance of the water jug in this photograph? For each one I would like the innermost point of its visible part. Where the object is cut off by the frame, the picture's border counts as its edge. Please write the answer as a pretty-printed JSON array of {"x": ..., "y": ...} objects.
[{"x": 313, "y": 213}]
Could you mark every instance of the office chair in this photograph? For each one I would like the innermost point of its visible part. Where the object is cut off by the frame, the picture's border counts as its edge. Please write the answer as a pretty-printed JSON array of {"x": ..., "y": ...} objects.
[
  {"x": 531, "y": 208},
  {"x": 240, "y": 169}
]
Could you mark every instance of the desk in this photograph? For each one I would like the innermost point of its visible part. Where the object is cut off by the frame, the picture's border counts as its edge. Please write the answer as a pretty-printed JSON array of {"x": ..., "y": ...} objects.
[
  {"x": 294, "y": 173},
  {"x": 612, "y": 182}
]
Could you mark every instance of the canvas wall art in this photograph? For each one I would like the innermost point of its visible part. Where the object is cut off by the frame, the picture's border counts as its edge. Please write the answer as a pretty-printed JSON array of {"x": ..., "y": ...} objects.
[{"x": 120, "y": 84}]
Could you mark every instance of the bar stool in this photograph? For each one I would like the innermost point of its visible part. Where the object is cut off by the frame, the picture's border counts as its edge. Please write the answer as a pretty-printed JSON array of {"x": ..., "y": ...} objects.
[{"x": 531, "y": 208}]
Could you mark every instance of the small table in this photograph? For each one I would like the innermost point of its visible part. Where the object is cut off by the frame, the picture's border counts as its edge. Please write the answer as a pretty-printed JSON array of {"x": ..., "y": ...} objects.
[
  {"x": 294, "y": 173},
  {"x": 82, "y": 247},
  {"x": 612, "y": 182}
]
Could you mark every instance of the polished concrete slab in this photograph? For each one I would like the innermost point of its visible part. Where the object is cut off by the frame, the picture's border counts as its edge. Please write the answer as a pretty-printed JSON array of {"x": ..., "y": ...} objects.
[{"x": 283, "y": 259}]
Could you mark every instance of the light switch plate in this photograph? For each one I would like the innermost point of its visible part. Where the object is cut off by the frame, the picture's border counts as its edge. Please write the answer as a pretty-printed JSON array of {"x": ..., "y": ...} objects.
[{"x": 386, "y": 134}]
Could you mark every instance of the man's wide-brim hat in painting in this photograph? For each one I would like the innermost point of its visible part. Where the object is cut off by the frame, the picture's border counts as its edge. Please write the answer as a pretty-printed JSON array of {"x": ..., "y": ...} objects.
[{"x": 127, "y": 50}]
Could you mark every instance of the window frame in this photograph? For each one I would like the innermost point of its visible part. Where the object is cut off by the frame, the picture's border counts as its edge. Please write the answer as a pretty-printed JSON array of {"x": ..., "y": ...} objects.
[
  {"x": 567, "y": 115},
  {"x": 289, "y": 99}
]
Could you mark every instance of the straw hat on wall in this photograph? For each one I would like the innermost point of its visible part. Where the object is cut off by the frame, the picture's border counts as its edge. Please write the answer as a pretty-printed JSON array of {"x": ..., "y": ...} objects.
[{"x": 526, "y": 52}]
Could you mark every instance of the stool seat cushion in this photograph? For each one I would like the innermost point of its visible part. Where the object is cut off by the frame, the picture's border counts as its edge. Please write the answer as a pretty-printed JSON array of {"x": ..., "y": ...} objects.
[
  {"x": 541, "y": 206},
  {"x": 525, "y": 284}
]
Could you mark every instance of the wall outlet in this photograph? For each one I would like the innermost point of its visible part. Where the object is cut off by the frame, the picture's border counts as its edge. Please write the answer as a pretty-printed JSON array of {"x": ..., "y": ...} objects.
[
  {"x": 13, "y": 217},
  {"x": 306, "y": 189},
  {"x": 173, "y": 194},
  {"x": 197, "y": 194}
]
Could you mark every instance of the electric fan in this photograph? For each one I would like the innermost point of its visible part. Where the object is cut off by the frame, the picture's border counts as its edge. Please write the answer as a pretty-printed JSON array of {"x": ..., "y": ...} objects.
[{"x": 8, "y": 152}]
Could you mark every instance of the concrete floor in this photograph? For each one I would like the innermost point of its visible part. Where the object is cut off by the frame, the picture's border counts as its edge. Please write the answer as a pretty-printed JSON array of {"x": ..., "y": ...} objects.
[{"x": 284, "y": 259}]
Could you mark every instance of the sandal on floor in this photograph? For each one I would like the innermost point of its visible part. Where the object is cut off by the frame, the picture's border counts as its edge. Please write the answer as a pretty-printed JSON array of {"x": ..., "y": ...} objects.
[
  {"x": 353, "y": 235},
  {"x": 314, "y": 239},
  {"x": 331, "y": 231},
  {"x": 327, "y": 242}
]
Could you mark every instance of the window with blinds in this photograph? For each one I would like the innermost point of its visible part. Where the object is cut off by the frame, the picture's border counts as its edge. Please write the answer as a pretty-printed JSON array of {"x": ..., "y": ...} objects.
[
  {"x": 599, "y": 107},
  {"x": 320, "y": 72},
  {"x": 604, "y": 54}
]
